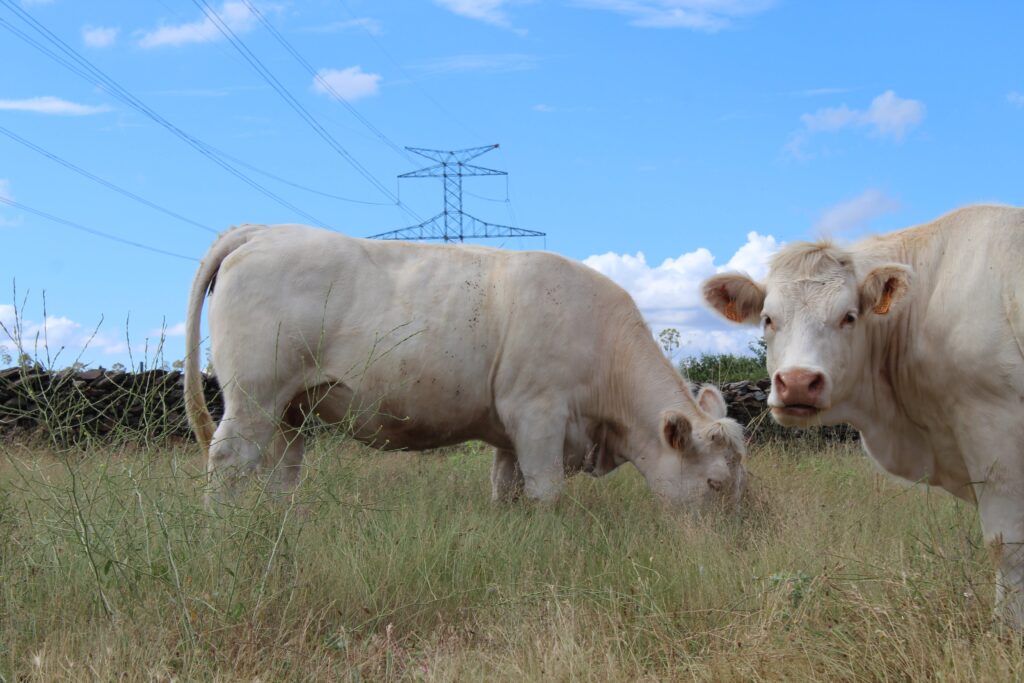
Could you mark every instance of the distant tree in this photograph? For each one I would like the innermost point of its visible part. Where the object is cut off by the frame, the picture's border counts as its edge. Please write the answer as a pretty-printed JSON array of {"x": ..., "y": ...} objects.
[
  {"x": 722, "y": 368},
  {"x": 118, "y": 367},
  {"x": 178, "y": 365},
  {"x": 669, "y": 340},
  {"x": 759, "y": 347},
  {"x": 5, "y": 356}
]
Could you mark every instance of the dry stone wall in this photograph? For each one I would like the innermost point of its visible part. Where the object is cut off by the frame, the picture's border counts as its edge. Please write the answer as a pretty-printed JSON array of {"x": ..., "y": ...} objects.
[{"x": 69, "y": 406}]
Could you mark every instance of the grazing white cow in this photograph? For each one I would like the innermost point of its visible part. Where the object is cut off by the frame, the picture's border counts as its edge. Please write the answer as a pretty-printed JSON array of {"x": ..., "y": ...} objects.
[
  {"x": 916, "y": 338},
  {"x": 420, "y": 346}
]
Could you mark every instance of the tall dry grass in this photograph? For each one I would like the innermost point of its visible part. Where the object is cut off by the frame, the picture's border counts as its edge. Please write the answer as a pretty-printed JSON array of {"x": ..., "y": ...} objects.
[{"x": 398, "y": 567}]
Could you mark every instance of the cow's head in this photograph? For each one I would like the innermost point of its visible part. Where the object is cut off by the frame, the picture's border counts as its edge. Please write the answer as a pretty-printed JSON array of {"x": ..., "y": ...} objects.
[
  {"x": 702, "y": 454},
  {"x": 816, "y": 308}
]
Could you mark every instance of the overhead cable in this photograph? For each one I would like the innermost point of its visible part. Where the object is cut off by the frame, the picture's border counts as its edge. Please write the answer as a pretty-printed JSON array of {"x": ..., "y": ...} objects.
[
  {"x": 296, "y": 106},
  {"x": 86, "y": 70},
  {"x": 106, "y": 183},
  {"x": 92, "y": 231},
  {"x": 324, "y": 83}
]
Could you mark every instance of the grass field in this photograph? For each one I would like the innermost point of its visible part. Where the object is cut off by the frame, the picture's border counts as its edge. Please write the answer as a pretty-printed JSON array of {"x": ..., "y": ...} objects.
[{"x": 398, "y": 567}]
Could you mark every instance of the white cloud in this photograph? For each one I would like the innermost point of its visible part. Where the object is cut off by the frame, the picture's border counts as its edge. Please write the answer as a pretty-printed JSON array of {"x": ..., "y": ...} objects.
[
  {"x": 668, "y": 295},
  {"x": 701, "y": 15},
  {"x": 234, "y": 14},
  {"x": 351, "y": 83},
  {"x": 368, "y": 24},
  {"x": 52, "y": 105},
  {"x": 494, "y": 63},
  {"x": 176, "y": 330},
  {"x": 5, "y": 189},
  {"x": 99, "y": 36},
  {"x": 854, "y": 214},
  {"x": 1015, "y": 98},
  {"x": 889, "y": 115},
  {"x": 487, "y": 11},
  {"x": 892, "y": 116},
  {"x": 56, "y": 334},
  {"x": 752, "y": 258},
  {"x": 830, "y": 118}
]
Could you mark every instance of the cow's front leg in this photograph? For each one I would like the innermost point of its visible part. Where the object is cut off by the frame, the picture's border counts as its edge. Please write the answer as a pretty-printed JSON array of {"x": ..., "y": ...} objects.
[
  {"x": 539, "y": 437},
  {"x": 1002, "y": 520},
  {"x": 506, "y": 477}
]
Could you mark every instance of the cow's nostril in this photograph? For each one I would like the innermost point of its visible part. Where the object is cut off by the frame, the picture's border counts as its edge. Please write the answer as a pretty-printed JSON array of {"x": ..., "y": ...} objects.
[
  {"x": 799, "y": 386},
  {"x": 715, "y": 484}
]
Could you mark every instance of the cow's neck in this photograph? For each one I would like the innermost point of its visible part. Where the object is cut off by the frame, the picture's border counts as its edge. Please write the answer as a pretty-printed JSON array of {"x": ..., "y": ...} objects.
[
  {"x": 644, "y": 386},
  {"x": 893, "y": 406}
]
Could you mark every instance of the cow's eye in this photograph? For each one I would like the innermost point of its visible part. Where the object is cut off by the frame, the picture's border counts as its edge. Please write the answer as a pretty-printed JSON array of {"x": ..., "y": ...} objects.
[
  {"x": 848, "y": 320},
  {"x": 767, "y": 322}
]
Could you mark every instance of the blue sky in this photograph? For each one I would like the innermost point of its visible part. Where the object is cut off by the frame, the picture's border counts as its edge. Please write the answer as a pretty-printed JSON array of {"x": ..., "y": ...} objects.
[{"x": 659, "y": 140}]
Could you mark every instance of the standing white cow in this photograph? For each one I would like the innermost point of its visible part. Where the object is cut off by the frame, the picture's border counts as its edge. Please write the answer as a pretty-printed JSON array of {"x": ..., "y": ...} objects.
[
  {"x": 420, "y": 346},
  {"x": 916, "y": 338}
]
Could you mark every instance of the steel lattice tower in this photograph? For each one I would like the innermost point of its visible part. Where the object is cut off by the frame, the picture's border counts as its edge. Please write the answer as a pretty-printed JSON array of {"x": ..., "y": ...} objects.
[{"x": 453, "y": 224}]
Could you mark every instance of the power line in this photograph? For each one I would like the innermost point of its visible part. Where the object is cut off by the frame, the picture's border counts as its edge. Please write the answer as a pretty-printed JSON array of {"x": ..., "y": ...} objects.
[
  {"x": 92, "y": 231},
  {"x": 86, "y": 70},
  {"x": 268, "y": 174},
  {"x": 297, "y": 186},
  {"x": 106, "y": 183},
  {"x": 380, "y": 46},
  {"x": 323, "y": 83},
  {"x": 290, "y": 99}
]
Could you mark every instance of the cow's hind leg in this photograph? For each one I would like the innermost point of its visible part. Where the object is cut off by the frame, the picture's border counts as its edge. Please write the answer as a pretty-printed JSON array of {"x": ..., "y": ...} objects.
[
  {"x": 506, "y": 477},
  {"x": 244, "y": 436},
  {"x": 289, "y": 447}
]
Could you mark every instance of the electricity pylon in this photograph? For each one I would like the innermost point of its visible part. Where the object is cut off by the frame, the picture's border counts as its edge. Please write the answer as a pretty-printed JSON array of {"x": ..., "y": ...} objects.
[{"x": 453, "y": 224}]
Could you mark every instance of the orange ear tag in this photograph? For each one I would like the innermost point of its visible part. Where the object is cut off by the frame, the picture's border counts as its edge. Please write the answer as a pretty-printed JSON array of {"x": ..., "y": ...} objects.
[
  {"x": 885, "y": 302},
  {"x": 731, "y": 313}
]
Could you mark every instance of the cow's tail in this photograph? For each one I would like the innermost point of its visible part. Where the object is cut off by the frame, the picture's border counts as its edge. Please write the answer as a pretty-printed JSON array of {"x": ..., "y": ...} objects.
[{"x": 199, "y": 417}]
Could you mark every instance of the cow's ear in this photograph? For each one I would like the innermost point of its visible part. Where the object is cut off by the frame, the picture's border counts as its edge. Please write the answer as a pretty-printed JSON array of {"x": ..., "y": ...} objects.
[
  {"x": 884, "y": 287},
  {"x": 676, "y": 429},
  {"x": 735, "y": 296},
  {"x": 712, "y": 402}
]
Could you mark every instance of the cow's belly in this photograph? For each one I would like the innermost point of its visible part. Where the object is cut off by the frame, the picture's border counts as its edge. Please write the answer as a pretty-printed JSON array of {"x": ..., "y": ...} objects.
[{"x": 410, "y": 420}]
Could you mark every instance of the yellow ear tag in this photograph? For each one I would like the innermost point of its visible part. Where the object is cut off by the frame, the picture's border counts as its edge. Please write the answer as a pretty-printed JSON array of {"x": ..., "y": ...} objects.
[
  {"x": 731, "y": 313},
  {"x": 885, "y": 302}
]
